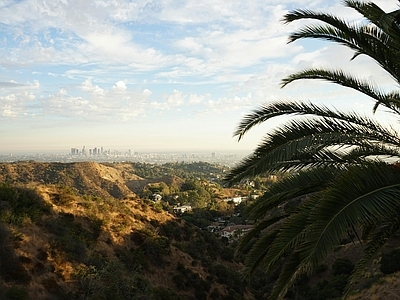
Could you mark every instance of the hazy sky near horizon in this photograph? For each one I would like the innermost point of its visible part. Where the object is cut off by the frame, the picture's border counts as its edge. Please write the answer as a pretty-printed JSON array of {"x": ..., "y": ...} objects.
[{"x": 157, "y": 75}]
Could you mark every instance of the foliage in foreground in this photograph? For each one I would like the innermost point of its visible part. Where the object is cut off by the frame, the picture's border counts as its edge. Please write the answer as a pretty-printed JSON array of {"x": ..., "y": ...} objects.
[{"x": 339, "y": 180}]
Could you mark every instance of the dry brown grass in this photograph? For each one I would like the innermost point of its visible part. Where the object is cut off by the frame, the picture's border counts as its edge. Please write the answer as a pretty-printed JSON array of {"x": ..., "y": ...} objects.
[{"x": 386, "y": 288}]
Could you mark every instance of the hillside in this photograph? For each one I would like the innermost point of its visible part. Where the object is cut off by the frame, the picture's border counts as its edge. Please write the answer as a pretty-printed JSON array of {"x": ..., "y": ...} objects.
[
  {"x": 84, "y": 231},
  {"x": 103, "y": 180},
  {"x": 77, "y": 231}
]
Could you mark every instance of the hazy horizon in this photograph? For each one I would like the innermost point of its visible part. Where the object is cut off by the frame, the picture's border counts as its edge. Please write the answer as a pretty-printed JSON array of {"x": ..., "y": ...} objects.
[{"x": 125, "y": 151}]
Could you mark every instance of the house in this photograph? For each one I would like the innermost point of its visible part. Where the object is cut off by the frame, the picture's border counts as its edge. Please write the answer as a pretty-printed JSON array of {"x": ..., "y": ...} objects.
[
  {"x": 213, "y": 228},
  {"x": 156, "y": 197},
  {"x": 178, "y": 210},
  {"x": 235, "y": 200},
  {"x": 235, "y": 231}
]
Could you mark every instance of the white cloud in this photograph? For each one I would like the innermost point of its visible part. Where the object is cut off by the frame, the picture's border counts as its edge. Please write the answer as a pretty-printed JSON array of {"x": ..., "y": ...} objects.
[
  {"x": 120, "y": 86},
  {"x": 95, "y": 104},
  {"x": 197, "y": 99},
  {"x": 15, "y": 104},
  {"x": 146, "y": 93},
  {"x": 176, "y": 99},
  {"x": 88, "y": 87},
  {"x": 229, "y": 104}
]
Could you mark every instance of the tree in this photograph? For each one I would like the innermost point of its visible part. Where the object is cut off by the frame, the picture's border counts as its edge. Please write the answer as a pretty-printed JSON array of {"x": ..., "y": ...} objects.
[{"x": 339, "y": 178}]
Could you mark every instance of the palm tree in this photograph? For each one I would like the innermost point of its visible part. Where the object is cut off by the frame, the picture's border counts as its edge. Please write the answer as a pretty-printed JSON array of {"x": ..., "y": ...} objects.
[{"x": 340, "y": 179}]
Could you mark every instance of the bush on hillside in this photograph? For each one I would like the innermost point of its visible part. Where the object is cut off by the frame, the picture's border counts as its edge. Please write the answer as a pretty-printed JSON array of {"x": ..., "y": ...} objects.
[
  {"x": 18, "y": 204},
  {"x": 342, "y": 266},
  {"x": 71, "y": 237},
  {"x": 155, "y": 248},
  {"x": 16, "y": 293},
  {"x": 390, "y": 262}
]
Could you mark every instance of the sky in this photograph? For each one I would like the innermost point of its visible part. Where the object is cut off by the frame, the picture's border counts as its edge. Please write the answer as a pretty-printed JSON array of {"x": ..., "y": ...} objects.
[{"x": 161, "y": 75}]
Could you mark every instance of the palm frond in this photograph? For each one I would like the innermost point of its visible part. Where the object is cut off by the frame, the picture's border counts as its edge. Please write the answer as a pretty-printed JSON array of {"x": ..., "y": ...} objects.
[
  {"x": 291, "y": 271},
  {"x": 258, "y": 251},
  {"x": 369, "y": 10},
  {"x": 388, "y": 22},
  {"x": 292, "y": 108},
  {"x": 364, "y": 194},
  {"x": 291, "y": 231},
  {"x": 376, "y": 240},
  {"x": 391, "y": 100},
  {"x": 310, "y": 143},
  {"x": 296, "y": 185},
  {"x": 339, "y": 180},
  {"x": 369, "y": 40}
]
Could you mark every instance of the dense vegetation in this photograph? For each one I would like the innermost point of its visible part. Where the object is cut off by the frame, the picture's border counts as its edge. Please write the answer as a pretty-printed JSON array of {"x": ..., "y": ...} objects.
[
  {"x": 87, "y": 247},
  {"x": 195, "y": 170}
]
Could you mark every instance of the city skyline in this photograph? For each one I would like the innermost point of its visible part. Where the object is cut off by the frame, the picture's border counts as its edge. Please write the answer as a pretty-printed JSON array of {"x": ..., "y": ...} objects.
[
  {"x": 112, "y": 155},
  {"x": 158, "y": 76}
]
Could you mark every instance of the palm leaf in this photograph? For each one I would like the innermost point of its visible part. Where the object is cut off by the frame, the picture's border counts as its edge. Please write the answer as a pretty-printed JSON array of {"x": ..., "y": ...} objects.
[
  {"x": 375, "y": 242},
  {"x": 369, "y": 40},
  {"x": 268, "y": 254},
  {"x": 282, "y": 108},
  {"x": 391, "y": 100},
  {"x": 364, "y": 194},
  {"x": 308, "y": 143},
  {"x": 338, "y": 181},
  {"x": 295, "y": 185}
]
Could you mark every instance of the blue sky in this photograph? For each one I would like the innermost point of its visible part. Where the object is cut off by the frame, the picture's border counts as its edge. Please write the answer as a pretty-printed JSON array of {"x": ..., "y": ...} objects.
[{"x": 162, "y": 75}]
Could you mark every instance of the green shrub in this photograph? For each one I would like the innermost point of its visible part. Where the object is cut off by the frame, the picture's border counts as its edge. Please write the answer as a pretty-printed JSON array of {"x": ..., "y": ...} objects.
[
  {"x": 227, "y": 276},
  {"x": 71, "y": 237},
  {"x": 133, "y": 258},
  {"x": 322, "y": 268},
  {"x": 187, "y": 279},
  {"x": 322, "y": 291},
  {"x": 19, "y": 204},
  {"x": 16, "y": 293},
  {"x": 332, "y": 289},
  {"x": 173, "y": 230},
  {"x": 161, "y": 293},
  {"x": 11, "y": 269},
  {"x": 107, "y": 282},
  {"x": 339, "y": 282},
  {"x": 342, "y": 266},
  {"x": 155, "y": 248},
  {"x": 390, "y": 262}
]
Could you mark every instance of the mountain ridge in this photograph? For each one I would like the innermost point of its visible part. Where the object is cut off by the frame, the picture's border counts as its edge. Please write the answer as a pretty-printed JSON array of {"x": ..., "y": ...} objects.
[{"x": 101, "y": 179}]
